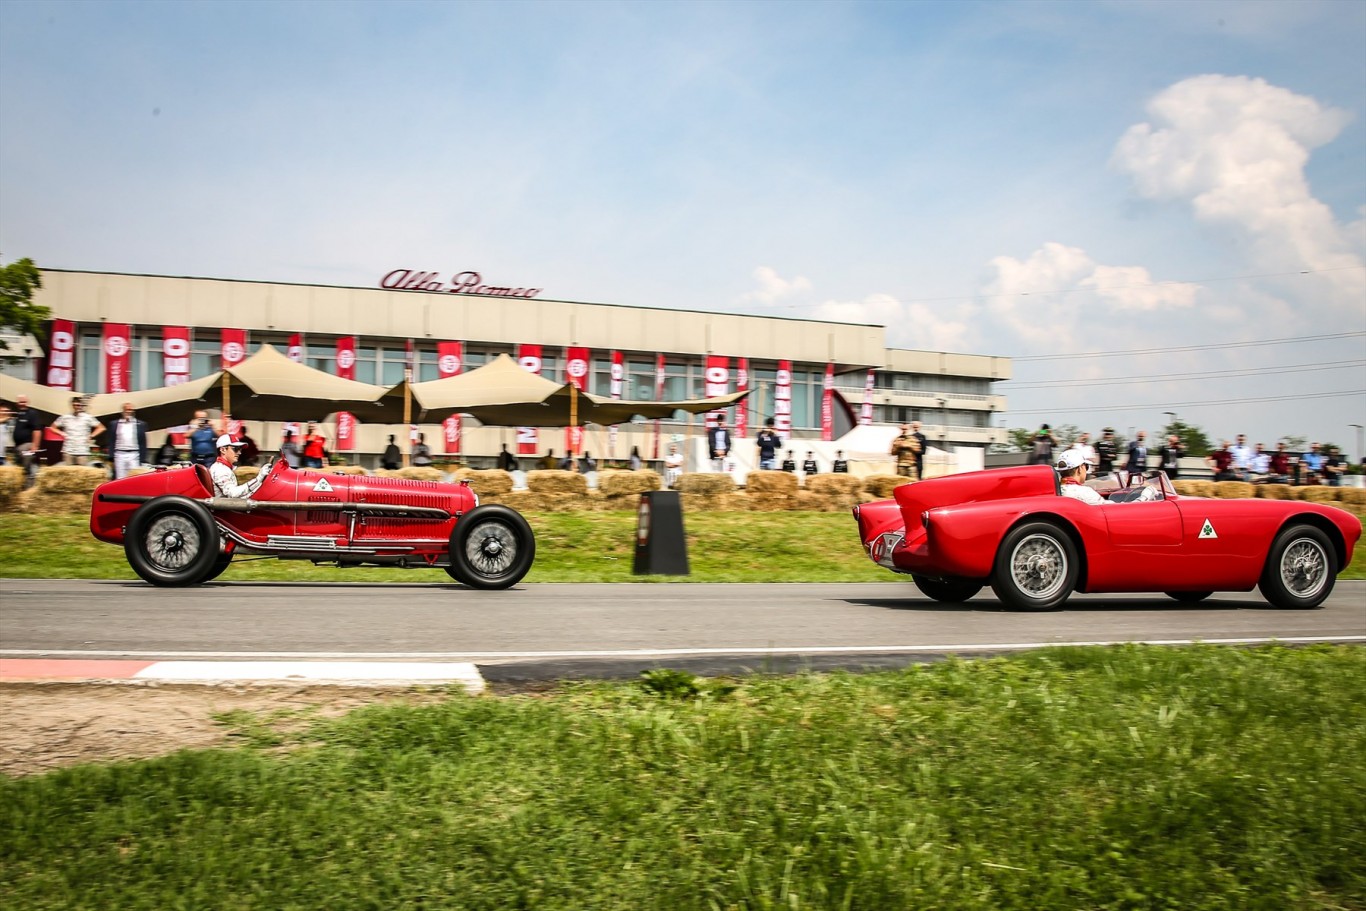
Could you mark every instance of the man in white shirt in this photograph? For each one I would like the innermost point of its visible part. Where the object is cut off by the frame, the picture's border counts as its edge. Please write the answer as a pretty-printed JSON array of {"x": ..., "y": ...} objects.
[
  {"x": 128, "y": 448},
  {"x": 1083, "y": 445},
  {"x": 224, "y": 478},
  {"x": 1242, "y": 457},
  {"x": 77, "y": 430}
]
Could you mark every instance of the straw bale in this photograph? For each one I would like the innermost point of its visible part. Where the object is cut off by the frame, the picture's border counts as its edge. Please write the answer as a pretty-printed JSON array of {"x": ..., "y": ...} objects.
[
  {"x": 422, "y": 473},
  {"x": 554, "y": 481},
  {"x": 707, "y": 484},
  {"x": 882, "y": 485},
  {"x": 493, "y": 482},
  {"x": 1275, "y": 492},
  {"x": 719, "y": 502},
  {"x": 386, "y": 473},
  {"x": 346, "y": 469},
  {"x": 1188, "y": 487},
  {"x": 1317, "y": 494},
  {"x": 770, "y": 483},
  {"x": 1352, "y": 496},
  {"x": 520, "y": 500},
  {"x": 38, "y": 502},
  {"x": 834, "y": 484},
  {"x": 71, "y": 479},
  {"x": 11, "y": 483},
  {"x": 628, "y": 483},
  {"x": 1234, "y": 490},
  {"x": 777, "y": 502}
]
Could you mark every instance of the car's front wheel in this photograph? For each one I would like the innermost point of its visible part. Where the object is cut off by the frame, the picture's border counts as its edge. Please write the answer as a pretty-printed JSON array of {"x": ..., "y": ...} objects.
[
  {"x": 1300, "y": 569},
  {"x": 1036, "y": 568},
  {"x": 946, "y": 590},
  {"x": 491, "y": 546},
  {"x": 172, "y": 541}
]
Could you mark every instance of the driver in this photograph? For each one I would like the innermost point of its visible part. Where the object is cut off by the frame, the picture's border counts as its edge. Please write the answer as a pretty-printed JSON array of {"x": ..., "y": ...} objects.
[
  {"x": 1072, "y": 468},
  {"x": 224, "y": 479}
]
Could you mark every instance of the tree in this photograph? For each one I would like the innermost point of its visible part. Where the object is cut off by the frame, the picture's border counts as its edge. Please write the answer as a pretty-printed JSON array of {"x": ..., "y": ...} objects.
[
  {"x": 1192, "y": 437},
  {"x": 18, "y": 312}
]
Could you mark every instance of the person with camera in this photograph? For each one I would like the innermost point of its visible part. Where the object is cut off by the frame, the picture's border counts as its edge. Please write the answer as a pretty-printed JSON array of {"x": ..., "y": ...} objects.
[{"x": 203, "y": 450}]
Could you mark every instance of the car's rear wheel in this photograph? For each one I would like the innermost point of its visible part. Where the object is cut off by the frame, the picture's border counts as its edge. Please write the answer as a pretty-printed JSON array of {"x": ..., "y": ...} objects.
[
  {"x": 219, "y": 565},
  {"x": 947, "y": 590},
  {"x": 1036, "y": 568},
  {"x": 491, "y": 547},
  {"x": 172, "y": 541},
  {"x": 1189, "y": 597},
  {"x": 1301, "y": 569}
]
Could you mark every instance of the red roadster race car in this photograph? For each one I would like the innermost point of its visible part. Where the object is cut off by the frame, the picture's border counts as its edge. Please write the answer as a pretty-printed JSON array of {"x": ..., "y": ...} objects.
[
  {"x": 1011, "y": 529},
  {"x": 176, "y": 532}
]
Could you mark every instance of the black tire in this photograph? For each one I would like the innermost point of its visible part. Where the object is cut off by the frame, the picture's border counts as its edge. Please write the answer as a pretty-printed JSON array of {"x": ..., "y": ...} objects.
[
  {"x": 491, "y": 547},
  {"x": 218, "y": 566},
  {"x": 1301, "y": 569},
  {"x": 172, "y": 541},
  {"x": 1036, "y": 568},
  {"x": 1189, "y": 597},
  {"x": 947, "y": 590}
]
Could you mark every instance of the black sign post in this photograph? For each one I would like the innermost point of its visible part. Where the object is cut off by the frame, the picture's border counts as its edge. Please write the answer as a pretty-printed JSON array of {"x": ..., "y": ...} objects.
[{"x": 661, "y": 547}]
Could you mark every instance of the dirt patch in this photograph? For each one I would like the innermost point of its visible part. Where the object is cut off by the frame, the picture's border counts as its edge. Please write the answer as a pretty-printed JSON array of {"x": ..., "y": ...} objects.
[{"x": 52, "y": 725}]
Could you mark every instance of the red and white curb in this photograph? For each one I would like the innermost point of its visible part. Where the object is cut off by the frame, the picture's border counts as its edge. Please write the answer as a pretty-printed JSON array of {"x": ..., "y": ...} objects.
[{"x": 340, "y": 673}]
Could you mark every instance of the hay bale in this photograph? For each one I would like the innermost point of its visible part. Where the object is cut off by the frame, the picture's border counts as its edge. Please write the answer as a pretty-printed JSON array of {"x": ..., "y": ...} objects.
[
  {"x": 882, "y": 485},
  {"x": 11, "y": 485},
  {"x": 493, "y": 482},
  {"x": 520, "y": 500},
  {"x": 1318, "y": 494},
  {"x": 71, "y": 479},
  {"x": 345, "y": 469},
  {"x": 771, "y": 483},
  {"x": 834, "y": 492},
  {"x": 1275, "y": 492},
  {"x": 707, "y": 484},
  {"x": 422, "y": 473},
  {"x": 1352, "y": 496},
  {"x": 555, "y": 482},
  {"x": 628, "y": 483},
  {"x": 37, "y": 502},
  {"x": 718, "y": 502},
  {"x": 1188, "y": 487},
  {"x": 386, "y": 473},
  {"x": 1234, "y": 490}
]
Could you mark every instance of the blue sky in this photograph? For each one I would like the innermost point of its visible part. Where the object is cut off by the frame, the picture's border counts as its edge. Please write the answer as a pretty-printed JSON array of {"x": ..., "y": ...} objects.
[{"x": 1023, "y": 179}]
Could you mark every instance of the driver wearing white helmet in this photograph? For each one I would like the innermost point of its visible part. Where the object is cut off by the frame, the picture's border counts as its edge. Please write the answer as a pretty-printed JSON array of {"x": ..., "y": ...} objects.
[
  {"x": 1072, "y": 468},
  {"x": 224, "y": 478}
]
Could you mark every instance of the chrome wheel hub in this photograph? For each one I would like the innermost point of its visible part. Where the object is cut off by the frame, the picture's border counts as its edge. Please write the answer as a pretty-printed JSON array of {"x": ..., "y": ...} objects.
[
  {"x": 1304, "y": 568},
  {"x": 1039, "y": 566}
]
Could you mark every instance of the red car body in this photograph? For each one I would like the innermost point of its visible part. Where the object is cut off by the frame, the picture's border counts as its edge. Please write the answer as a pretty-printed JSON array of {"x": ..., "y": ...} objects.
[
  {"x": 1010, "y": 528},
  {"x": 175, "y": 532}
]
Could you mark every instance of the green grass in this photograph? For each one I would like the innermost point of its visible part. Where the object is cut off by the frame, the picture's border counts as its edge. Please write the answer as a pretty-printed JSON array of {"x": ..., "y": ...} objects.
[
  {"x": 1120, "y": 778},
  {"x": 570, "y": 547}
]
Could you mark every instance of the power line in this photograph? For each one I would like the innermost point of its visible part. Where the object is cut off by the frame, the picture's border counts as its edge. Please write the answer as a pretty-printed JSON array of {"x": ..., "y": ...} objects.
[
  {"x": 1169, "y": 349},
  {"x": 1178, "y": 377},
  {"x": 1173, "y": 405}
]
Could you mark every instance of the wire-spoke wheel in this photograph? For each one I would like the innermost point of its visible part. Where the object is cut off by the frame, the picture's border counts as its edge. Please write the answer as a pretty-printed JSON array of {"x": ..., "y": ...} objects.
[
  {"x": 172, "y": 541},
  {"x": 1301, "y": 568},
  {"x": 1036, "y": 567},
  {"x": 491, "y": 547}
]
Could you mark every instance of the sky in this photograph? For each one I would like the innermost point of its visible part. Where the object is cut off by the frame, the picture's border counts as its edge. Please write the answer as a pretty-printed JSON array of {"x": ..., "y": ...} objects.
[{"x": 1151, "y": 207}]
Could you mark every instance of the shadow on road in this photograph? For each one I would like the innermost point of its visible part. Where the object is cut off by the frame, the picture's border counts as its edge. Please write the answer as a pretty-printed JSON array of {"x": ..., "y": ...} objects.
[{"x": 1073, "y": 605}]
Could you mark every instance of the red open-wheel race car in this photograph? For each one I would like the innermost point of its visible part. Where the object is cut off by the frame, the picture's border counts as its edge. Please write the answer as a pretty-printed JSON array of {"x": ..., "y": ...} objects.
[
  {"x": 1011, "y": 529},
  {"x": 176, "y": 532}
]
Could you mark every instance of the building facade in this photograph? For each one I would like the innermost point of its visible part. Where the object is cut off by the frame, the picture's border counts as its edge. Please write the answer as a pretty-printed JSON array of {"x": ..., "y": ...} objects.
[{"x": 951, "y": 394}]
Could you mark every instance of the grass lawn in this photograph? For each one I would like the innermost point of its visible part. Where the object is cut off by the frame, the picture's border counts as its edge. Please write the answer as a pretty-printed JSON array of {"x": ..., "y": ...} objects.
[
  {"x": 1118, "y": 778},
  {"x": 570, "y": 547}
]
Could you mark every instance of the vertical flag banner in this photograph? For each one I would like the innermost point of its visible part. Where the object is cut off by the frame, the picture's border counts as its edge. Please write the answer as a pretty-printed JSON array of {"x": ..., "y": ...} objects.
[
  {"x": 614, "y": 387},
  {"x": 865, "y": 416},
  {"x": 295, "y": 351},
  {"x": 61, "y": 355},
  {"x": 782, "y": 400},
  {"x": 175, "y": 355},
  {"x": 742, "y": 406},
  {"x": 716, "y": 381},
  {"x": 528, "y": 438},
  {"x": 234, "y": 347},
  {"x": 575, "y": 372},
  {"x": 828, "y": 404},
  {"x": 116, "y": 357},
  {"x": 346, "y": 369},
  {"x": 659, "y": 397},
  {"x": 449, "y": 362}
]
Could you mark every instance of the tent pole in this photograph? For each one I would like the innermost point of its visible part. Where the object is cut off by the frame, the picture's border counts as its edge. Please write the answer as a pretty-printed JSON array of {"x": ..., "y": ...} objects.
[
  {"x": 227, "y": 402},
  {"x": 407, "y": 416},
  {"x": 574, "y": 421}
]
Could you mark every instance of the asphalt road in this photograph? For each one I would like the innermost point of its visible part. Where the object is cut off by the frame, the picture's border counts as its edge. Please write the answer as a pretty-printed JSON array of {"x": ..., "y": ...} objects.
[{"x": 550, "y": 631}]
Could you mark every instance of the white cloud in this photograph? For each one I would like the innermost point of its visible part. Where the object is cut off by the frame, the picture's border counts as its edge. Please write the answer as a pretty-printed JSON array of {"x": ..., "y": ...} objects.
[{"x": 774, "y": 289}]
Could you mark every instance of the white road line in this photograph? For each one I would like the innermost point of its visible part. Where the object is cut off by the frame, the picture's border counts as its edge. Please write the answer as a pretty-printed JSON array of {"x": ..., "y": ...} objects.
[
  {"x": 669, "y": 652},
  {"x": 349, "y": 672}
]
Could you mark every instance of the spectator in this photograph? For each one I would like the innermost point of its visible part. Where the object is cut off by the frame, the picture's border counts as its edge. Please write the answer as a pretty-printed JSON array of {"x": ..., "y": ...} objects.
[
  {"x": 587, "y": 463},
  {"x": 548, "y": 461},
  {"x": 422, "y": 454},
  {"x": 1334, "y": 465},
  {"x": 809, "y": 466},
  {"x": 168, "y": 455},
  {"x": 1088, "y": 452},
  {"x": 789, "y": 463},
  {"x": 673, "y": 466},
  {"x": 1280, "y": 465},
  {"x": 1044, "y": 443},
  {"x": 27, "y": 433},
  {"x": 202, "y": 440},
  {"x": 1259, "y": 467},
  {"x": 1220, "y": 462},
  {"x": 77, "y": 430},
  {"x": 127, "y": 443},
  {"x": 392, "y": 459},
  {"x": 1242, "y": 458},
  {"x": 1138, "y": 454},
  {"x": 289, "y": 450},
  {"x": 250, "y": 451},
  {"x": 1107, "y": 453},
  {"x": 506, "y": 460},
  {"x": 905, "y": 450},
  {"x": 1312, "y": 465},
  {"x": 635, "y": 462},
  {"x": 769, "y": 444},
  {"x": 919, "y": 453},
  {"x": 6, "y": 434},
  {"x": 840, "y": 466},
  {"x": 1171, "y": 456},
  {"x": 718, "y": 445},
  {"x": 314, "y": 448}
]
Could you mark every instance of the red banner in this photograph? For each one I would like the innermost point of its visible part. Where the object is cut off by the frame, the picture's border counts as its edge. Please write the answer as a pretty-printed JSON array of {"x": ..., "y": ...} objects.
[
  {"x": 659, "y": 397},
  {"x": 346, "y": 369},
  {"x": 295, "y": 351},
  {"x": 576, "y": 367},
  {"x": 742, "y": 406},
  {"x": 234, "y": 347},
  {"x": 782, "y": 400},
  {"x": 528, "y": 438},
  {"x": 616, "y": 383},
  {"x": 116, "y": 357},
  {"x": 61, "y": 355},
  {"x": 865, "y": 416},
  {"x": 449, "y": 362},
  {"x": 716, "y": 381},
  {"x": 828, "y": 404},
  {"x": 175, "y": 355},
  {"x": 573, "y": 440}
]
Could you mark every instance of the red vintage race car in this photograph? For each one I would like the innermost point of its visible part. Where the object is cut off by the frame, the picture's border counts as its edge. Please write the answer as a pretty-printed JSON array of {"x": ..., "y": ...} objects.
[
  {"x": 1011, "y": 529},
  {"x": 176, "y": 532}
]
